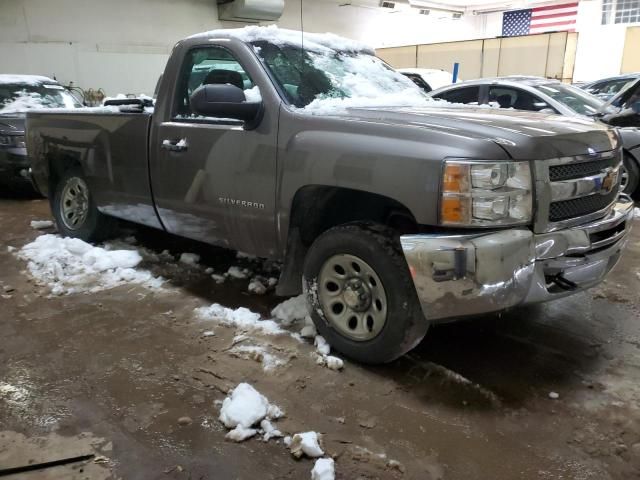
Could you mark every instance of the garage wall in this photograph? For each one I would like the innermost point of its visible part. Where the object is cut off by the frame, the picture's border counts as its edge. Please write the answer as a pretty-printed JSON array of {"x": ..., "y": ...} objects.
[
  {"x": 601, "y": 47},
  {"x": 122, "y": 46},
  {"x": 548, "y": 55}
]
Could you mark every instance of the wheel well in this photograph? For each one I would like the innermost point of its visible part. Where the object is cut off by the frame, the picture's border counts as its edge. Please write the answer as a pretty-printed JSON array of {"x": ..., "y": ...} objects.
[
  {"x": 316, "y": 209},
  {"x": 59, "y": 163}
]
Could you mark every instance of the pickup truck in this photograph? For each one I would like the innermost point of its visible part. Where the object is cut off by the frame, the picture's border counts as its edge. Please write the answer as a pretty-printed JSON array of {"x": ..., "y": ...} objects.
[{"x": 390, "y": 213}]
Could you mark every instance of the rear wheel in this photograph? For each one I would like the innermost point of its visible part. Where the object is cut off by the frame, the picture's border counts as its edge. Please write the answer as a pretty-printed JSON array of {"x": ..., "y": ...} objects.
[
  {"x": 75, "y": 211},
  {"x": 362, "y": 298}
]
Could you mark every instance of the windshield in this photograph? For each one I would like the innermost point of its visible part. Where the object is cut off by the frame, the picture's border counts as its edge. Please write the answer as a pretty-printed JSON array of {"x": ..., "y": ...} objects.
[
  {"x": 576, "y": 99},
  {"x": 330, "y": 79},
  {"x": 18, "y": 98}
]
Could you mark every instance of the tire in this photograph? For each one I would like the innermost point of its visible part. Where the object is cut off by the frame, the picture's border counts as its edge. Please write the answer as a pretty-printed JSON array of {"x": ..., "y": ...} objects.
[
  {"x": 632, "y": 169},
  {"x": 92, "y": 226},
  {"x": 383, "y": 278}
]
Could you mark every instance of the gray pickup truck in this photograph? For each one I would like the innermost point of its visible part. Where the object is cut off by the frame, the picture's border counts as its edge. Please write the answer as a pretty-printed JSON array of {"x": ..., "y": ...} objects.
[{"x": 390, "y": 213}]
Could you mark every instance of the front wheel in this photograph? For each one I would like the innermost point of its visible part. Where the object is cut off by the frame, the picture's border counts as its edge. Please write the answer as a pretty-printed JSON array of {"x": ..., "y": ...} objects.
[
  {"x": 361, "y": 295},
  {"x": 630, "y": 183},
  {"x": 75, "y": 211}
]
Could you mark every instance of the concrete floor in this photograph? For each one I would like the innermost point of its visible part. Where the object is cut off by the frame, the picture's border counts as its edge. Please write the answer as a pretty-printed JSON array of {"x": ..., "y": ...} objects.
[{"x": 110, "y": 373}]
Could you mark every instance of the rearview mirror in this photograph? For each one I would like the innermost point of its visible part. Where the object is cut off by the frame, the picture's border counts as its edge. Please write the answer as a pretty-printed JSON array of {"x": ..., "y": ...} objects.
[{"x": 226, "y": 101}]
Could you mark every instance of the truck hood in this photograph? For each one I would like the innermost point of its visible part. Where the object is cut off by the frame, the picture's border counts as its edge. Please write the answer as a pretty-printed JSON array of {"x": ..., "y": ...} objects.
[
  {"x": 11, "y": 124},
  {"x": 524, "y": 135}
]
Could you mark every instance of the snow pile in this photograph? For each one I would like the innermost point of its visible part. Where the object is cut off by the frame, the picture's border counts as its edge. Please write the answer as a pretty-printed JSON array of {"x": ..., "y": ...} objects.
[
  {"x": 362, "y": 81},
  {"x": 243, "y": 409},
  {"x": 256, "y": 287},
  {"x": 323, "y": 358},
  {"x": 41, "y": 224},
  {"x": 69, "y": 265},
  {"x": 238, "y": 273},
  {"x": 296, "y": 309},
  {"x": 291, "y": 310},
  {"x": 189, "y": 258},
  {"x": 306, "y": 443},
  {"x": 324, "y": 469},
  {"x": 32, "y": 80},
  {"x": 322, "y": 347},
  {"x": 22, "y": 102},
  {"x": 309, "y": 330},
  {"x": 320, "y": 42},
  {"x": 258, "y": 353},
  {"x": 241, "y": 318},
  {"x": 218, "y": 278}
]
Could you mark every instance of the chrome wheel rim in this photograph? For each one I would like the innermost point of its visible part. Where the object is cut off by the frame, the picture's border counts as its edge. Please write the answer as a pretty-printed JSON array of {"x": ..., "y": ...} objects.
[
  {"x": 352, "y": 297},
  {"x": 74, "y": 206},
  {"x": 624, "y": 178}
]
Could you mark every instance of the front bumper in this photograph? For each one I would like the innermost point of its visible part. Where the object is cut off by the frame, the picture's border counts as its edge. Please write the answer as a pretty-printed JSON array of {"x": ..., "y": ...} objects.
[
  {"x": 470, "y": 274},
  {"x": 14, "y": 165}
]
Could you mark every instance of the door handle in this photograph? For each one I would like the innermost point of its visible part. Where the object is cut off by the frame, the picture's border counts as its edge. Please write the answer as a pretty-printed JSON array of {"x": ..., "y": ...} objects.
[{"x": 175, "y": 145}]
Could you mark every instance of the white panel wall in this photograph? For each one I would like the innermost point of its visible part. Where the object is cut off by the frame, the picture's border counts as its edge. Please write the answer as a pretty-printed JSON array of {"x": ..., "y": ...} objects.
[
  {"x": 600, "y": 47},
  {"x": 122, "y": 46}
]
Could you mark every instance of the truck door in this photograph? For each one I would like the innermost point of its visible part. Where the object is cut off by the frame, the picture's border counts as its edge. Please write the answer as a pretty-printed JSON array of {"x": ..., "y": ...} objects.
[{"x": 213, "y": 180}]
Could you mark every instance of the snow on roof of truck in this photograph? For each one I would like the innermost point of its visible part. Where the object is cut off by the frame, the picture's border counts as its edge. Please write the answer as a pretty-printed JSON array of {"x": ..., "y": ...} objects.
[
  {"x": 25, "y": 79},
  {"x": 282, "y": 36}
]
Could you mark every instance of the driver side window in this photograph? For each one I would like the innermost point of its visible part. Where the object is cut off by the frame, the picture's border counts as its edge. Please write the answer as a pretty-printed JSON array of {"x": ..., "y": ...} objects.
[{"x": 207, "y": 66}]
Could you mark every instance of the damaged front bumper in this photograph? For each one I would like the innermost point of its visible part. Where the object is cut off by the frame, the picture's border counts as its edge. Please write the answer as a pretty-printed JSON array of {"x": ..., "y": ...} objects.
[{"x": 470, "y": 274}]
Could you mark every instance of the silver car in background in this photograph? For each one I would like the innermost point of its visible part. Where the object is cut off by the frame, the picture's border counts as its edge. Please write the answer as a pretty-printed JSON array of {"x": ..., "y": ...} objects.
[{"x": 553, "y": 97}]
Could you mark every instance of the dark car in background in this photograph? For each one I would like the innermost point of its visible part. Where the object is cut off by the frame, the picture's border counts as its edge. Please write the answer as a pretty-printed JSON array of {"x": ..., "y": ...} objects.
[
  {"x": 554, "y": 97},
  {"x": 19, "y": 94},
  {"x": 607, "y": 88}
]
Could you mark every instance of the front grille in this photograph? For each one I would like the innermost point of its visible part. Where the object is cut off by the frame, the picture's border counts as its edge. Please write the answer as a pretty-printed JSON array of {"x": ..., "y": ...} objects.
[
  {"x": 570, "y": 171},
  {"x": 578, "y": 207}
]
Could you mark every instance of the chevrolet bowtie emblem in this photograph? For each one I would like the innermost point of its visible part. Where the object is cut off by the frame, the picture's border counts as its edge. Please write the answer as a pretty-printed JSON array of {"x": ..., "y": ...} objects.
[{"x": 609, "y": 182}]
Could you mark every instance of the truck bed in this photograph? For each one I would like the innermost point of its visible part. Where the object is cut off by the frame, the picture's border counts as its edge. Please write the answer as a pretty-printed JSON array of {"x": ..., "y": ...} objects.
[{"x": 110, "y": 146}]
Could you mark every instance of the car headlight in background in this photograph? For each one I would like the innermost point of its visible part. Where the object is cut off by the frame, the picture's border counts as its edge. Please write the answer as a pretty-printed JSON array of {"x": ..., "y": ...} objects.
[
  {"x": 482, "y": 193},
  {"x": 16, "y": 141}
]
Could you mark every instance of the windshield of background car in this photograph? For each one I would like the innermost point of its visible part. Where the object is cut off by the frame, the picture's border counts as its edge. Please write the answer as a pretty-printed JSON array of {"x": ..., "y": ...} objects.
[
  {"x": 576, "y": 99},
  {"x": 308, "y": 76},
  {"x": 19, "y": 98}
]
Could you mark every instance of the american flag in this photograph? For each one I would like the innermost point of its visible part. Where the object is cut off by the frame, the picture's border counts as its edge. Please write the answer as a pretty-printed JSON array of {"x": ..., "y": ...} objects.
[{"x": 550, "y": 18}]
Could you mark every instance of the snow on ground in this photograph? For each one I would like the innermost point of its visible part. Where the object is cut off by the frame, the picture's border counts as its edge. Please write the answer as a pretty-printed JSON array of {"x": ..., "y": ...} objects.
[
  {"x": 256, "y": 287},
  {"x": 636, "y": 212},
  {"x": 41, "y": 224},
  {"x": 189, "y": 258},
  {"x": 306, "y": 443},
  {"x": 69, "y": 265},
  {"x": 238, "y": 273},
  {"x": 241, "y": 318},
  {"x": 291, "y": 310},
  {"x": 259, "y": 353},
  {"x": 243, "y": 409},
  {"x": 323, "y": 469}
]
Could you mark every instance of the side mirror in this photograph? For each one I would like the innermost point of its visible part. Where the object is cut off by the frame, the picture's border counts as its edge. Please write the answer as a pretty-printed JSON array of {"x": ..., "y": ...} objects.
[
  {"x": 226, "y": 101},
  {"x": 635, "y": 106}
]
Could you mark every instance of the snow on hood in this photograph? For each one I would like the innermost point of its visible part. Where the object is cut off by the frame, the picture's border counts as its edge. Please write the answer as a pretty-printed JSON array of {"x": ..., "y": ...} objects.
[
  {"x": 25, "y": 79},
  {"x": 281, "y": 36}
]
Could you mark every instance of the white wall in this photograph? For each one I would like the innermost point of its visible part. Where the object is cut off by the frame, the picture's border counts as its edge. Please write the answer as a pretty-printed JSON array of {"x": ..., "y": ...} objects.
[
  {"x": 122, "y": 46},
  {"x": 600, "y": 47}
]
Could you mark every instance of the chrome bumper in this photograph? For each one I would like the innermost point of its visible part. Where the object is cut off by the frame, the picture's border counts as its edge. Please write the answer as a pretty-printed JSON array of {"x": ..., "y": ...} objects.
[{"x": 459, "y": 275}]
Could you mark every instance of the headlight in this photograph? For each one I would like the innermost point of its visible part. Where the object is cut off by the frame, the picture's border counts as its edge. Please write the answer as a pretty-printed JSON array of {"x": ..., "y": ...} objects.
[
  {"x": 479, "y": 193},
  {"x": 12, "y": 141}
]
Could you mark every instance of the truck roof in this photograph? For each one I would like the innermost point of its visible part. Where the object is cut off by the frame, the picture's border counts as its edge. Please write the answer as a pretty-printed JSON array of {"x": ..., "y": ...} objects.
[{"x": 282, "y": 36}]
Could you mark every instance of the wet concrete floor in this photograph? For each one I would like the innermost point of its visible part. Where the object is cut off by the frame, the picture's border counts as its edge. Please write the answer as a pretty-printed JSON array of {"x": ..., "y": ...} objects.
[{"x": 110, "y": 373}]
